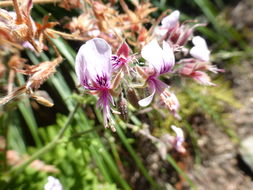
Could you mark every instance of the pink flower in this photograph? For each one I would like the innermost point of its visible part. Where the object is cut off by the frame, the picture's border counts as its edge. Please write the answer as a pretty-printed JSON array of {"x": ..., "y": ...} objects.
[
  {"x": 196, "y": 71},
  {"x": 178, "y": 141},
  {"x": 175, "y": 32},
  {"x": 200, "y": 50},
  {"x": 121, "y": 59},
  {"x": 161, "y": 61},
  {"x": 94, "y": 70}
]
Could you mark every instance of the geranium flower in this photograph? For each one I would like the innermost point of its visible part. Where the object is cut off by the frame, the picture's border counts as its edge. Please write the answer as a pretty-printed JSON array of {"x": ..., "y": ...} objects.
[
  {"x": 175, "y": 32},
  {"x": 195, "y": 71},
  {"x": 178, "y": 141},
  {"x": 197, "y": 66},
  {"x": 53, "y": 184},
  {"x": 161, "y": 61},
  {"x": 120, "y": 60},
  {"x": 94, "y": 71}
]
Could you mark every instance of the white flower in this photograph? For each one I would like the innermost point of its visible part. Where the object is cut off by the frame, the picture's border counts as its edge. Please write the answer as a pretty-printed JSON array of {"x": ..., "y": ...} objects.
[
  {"x": 53, "y": 184},
  {"x": 179, "y": 140}
]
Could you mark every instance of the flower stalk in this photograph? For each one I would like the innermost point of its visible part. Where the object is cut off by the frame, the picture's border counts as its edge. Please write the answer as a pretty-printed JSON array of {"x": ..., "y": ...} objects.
[{"x": 17, "y": 170}]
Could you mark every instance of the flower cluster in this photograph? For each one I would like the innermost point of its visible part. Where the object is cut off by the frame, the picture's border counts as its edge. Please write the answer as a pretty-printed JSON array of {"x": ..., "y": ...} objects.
[
  {"x": 107, "y": 75},
  {"x": 109, "y": 65}
]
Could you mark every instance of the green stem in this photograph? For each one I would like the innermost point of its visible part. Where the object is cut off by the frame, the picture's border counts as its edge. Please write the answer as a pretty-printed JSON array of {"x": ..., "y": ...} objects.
[{"x": 49, "y": 146}]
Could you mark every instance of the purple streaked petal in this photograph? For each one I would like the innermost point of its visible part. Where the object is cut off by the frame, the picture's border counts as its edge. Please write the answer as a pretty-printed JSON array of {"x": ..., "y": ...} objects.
[
  {"x": 200, "y": 50},
  {"x": 104, "y": 102},
  {"x": 159, "y": 85},
  {"x": 171, "y": 20},
  {"x": 93, "y": 63},
  {"x": 162, "y": 60},
  {"x": 117, "y": 62},
  {"x": 168, "y": 58},
  {"x": 98, "y": 56},
  {"x": 146, "y": 101}
]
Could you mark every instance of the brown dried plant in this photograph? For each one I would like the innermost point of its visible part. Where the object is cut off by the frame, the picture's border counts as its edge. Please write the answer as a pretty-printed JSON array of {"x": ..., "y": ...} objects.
[
  {"x": 37, "y": 75},
  {"x": 103, "y": 20},
  {"x": 19, "y": 26}
]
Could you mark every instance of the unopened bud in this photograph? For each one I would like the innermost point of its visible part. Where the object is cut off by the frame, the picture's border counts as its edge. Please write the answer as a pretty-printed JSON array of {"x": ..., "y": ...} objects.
[
  {"x": 122, "y": 107},
  {"x": 42, "y": 101},
  {"x": 132, "y": 97}
]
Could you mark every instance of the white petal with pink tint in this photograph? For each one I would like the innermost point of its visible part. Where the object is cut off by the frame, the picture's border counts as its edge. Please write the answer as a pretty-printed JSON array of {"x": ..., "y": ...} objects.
[
  {"x": 171, "y": 20},
  {"x": 152, "y": 52},
  {"x": 146, "y": 101},
  {"x": 93, "y": 60},
  {"x": 179, "y": 139},
  {"x": 162, "y": 60},
  {"x": 200, "y": 50}
]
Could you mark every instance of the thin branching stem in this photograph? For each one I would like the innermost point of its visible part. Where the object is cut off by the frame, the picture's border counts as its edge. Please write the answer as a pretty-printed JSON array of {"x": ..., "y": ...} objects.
[{"x": 17, "y": 170}]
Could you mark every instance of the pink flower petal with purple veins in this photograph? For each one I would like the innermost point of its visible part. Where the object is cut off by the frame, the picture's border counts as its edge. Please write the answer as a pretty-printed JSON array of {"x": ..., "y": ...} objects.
[
  {"x": 162, "y": 60},
  {"x": 171, "y": 20},
  {"x": 168, "y": 58},
  {"x": 121, "y": 59},
  {"x": 200, "y": 50},
  {"x": 104, "y": 102},
  {"x": 93, "y": 62}
]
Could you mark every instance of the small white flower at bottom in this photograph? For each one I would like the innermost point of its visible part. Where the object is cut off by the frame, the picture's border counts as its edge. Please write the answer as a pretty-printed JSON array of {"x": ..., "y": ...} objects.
[{"x": 53, "y": 184}]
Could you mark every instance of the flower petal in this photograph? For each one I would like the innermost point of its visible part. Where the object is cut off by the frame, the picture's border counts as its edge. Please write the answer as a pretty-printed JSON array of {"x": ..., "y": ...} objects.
[
  {"x": 53, "y": 184},
  {"x": 81, "y": 65},
  {"x": 146, "y": 101},
  {"x": 179, "y": 132},
  {"x": 152, "y": 52},
  {"x": 93, "y": 62},
  {"x": 162, "y": 60},
  {"x": 179, "y": 139},
  {"x": 168, "y": 58},
  {"x": 171, "y": 20},
  {"x": 124, "y": 50},
  {"x": 200, "y": 50}
]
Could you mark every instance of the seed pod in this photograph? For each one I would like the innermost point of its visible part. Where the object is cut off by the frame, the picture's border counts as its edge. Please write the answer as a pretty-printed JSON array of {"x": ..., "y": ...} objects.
[
  {"x": 132, "y": 97},
  {"x": 42, "y": 100},
  {"x": 122, "y": 107}
]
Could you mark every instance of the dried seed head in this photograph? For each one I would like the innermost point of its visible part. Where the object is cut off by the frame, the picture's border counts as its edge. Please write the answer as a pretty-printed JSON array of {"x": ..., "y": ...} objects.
[{"x": 16, "y": 62}]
